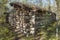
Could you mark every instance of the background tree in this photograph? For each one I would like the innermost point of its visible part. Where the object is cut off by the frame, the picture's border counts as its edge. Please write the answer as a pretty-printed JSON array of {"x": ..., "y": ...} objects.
[
  {"x": 5, "y": 32},
  {"x": 58, "y": 16}
]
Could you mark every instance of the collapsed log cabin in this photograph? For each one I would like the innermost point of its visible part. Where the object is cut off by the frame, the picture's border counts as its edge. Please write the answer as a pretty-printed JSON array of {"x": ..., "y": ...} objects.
[{"x": 28, "y": 19}]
